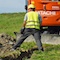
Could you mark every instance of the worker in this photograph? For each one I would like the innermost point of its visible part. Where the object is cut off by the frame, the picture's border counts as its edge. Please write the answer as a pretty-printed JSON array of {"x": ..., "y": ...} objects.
[{"x": 31, "y": 26}]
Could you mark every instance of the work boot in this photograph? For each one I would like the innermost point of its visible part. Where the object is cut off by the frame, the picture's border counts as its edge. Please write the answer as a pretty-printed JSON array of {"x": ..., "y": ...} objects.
[{"x": 42, "y": 49}]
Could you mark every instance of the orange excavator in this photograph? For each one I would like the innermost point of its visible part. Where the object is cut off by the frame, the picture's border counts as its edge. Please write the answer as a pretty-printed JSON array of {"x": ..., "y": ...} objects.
[{"x": 50, "y": 13}]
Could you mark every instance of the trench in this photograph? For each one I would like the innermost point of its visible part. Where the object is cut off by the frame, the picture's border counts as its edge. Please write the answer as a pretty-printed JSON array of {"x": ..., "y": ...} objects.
[{"x": 23, "y": 55}]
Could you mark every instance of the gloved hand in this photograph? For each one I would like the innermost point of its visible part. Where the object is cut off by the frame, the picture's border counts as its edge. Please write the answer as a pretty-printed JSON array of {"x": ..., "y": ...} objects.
[{"x": 22, "y": 30}]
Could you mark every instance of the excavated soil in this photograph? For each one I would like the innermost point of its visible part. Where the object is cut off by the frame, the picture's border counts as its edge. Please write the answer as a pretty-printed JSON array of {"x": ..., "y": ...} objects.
[{"x": 7, "y": 41}]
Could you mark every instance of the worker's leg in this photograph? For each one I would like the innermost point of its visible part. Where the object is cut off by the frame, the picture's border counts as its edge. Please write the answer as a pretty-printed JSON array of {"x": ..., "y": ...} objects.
[
  {"x": 22, "y": 38},
  {"x": 37, "y": 37}
]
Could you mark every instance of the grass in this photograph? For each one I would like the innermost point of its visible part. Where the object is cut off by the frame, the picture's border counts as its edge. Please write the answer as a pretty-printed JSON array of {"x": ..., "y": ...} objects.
[
  {"x": 52, "y": 52},
  {"x": 12, "y": 22}
]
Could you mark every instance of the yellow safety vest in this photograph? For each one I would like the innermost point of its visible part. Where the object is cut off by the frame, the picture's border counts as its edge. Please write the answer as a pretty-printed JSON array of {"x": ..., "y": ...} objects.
[{"x": 32, "y": 20}]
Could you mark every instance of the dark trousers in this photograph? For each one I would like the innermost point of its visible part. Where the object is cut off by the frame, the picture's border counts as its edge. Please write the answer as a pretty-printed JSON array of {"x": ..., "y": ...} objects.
[{"x": 28, "y": 32}]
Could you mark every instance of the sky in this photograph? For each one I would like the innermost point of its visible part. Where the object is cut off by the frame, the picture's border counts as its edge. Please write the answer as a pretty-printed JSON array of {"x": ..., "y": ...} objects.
[{"x": 11, "y": 6}]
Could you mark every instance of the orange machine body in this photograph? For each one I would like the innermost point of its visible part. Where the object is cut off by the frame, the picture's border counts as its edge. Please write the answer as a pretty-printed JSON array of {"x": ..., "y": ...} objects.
[{"x": 49, "y": 11}]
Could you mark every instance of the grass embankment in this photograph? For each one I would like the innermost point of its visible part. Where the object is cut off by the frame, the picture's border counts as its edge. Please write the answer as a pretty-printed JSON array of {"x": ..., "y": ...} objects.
[
  {"x": 10, "y": 23},
  {"x": 13, "y": 22}
]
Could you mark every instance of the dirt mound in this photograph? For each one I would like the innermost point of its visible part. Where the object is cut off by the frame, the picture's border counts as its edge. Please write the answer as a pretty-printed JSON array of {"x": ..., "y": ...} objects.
[
  {"x": 6, "y": 42},
  {"x": 22, "y": 55}
]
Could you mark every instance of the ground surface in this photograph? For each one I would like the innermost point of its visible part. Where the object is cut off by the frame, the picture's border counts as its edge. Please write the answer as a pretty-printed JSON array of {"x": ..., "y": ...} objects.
[{"x": 6, "y": 43}]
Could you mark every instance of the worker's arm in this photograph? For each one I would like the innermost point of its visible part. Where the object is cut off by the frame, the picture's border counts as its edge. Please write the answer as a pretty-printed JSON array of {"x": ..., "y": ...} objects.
[
  {"x": 24, "y": 23},
  {"x": 25, "y": 18}
]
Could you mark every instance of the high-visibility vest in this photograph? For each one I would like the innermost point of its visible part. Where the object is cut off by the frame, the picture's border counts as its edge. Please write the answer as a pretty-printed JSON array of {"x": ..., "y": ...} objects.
[{"x": 32, "y": 20}]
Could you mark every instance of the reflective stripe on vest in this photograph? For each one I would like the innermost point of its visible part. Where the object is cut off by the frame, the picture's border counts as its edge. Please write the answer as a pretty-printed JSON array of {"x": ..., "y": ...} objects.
[{"x": 32, "y": 20}]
